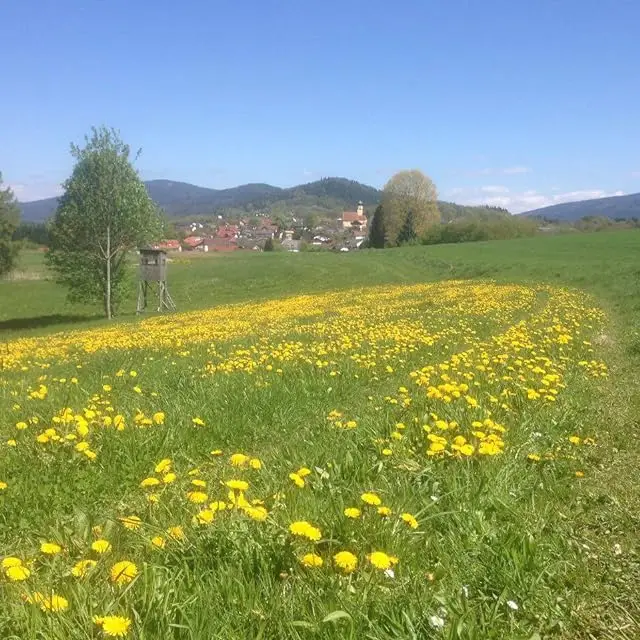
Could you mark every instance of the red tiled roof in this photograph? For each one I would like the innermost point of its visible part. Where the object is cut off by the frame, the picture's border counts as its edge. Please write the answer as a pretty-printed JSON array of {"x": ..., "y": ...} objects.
[{"x": 352, "y": 216}]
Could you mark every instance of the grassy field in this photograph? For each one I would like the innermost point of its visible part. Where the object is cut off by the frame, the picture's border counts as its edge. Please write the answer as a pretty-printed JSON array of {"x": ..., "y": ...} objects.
[{"x": 413, "y": 443}]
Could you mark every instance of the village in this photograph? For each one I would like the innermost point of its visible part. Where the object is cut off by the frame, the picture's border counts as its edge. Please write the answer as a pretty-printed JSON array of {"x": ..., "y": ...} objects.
[{"x": 259, "y": 233}]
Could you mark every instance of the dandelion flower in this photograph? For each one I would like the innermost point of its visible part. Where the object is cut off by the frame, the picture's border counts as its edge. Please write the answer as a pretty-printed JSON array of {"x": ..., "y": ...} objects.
[
  {"x": 123, "y": 572},
  {"x": 311, "y": 560},
  {"x": 82, "y": 567},
  {"x": 10, "y": 561},
  {"x": 17, "y": 573},
  {"x": 176, "y": 533},
  {"x": 199, "y": 483},
  {"x": 303, "y": 472},
  {"x": 380, "y": 560},
  {"x": 237, "y": 485},
  {"x": 216, "y": 452},
  {"x": 345, "y": 561},
  {"x": 197, "y": 497},
  {"x": 352, "y": 512},
  {"x": 158, "y": 542},
  {"x": 149, "y": 482},
  {"x": 256, "y": 513},
  {"x": 410, "y": 520},
  {"x": 101, "y": 546},
  {"x": 297, "y": 480},
  {"x": 50, "y": 548},
  {"x": 198, "y": 422},
  {"x": 54, "y": 604},
  {"x": 205, "y": 516},
  {"x": 131, "y": 522},
  {"x": 371, "y": 499},
  {"x": 158, "y": 418},
  {"x": 163, "y": 466},
  {"x": 239, "y": 460},
  {"x": 305, "y": 530},
  {"x": 168, "y": 478},
  {"x": 255, "y": 463},
  {"x": 114, "y": 626},
  {"x": 384, "y": 511}
]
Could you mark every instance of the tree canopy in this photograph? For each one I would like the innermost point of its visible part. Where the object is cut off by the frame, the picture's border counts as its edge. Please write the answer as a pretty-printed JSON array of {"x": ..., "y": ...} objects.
[
  {"x": 409, "y": 193},
  {"x": 9, "y": 220},
  {"x": 105, "y": 212}
]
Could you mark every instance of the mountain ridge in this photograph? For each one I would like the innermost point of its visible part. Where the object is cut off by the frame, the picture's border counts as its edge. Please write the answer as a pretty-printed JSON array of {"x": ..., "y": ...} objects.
[
  {"x": 328, "y": 196},
  {"x": 626, "y": 206}
]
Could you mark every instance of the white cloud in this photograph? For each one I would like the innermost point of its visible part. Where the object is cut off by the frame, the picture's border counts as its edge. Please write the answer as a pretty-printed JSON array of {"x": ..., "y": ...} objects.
[
  {"x": 35, "y": 190},
  {"x": 519, "y": 202}
]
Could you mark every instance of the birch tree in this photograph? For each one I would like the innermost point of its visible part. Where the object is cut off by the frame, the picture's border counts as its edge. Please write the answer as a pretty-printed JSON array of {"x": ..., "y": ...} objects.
[{"x": 104, "y": 213}]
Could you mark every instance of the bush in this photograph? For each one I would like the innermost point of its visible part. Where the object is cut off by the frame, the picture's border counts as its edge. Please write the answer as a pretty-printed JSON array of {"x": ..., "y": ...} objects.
[{"x": 478, "y": 230}]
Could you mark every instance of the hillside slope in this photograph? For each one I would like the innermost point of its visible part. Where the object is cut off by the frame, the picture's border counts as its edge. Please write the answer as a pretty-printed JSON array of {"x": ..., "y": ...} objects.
[{"x": 627, "y": 206}]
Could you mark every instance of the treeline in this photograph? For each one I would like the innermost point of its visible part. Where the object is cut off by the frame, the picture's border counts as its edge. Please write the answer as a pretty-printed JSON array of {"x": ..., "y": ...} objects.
[
  {"x": 479, "y": 230},
  {"x": 36, "y": 233}
]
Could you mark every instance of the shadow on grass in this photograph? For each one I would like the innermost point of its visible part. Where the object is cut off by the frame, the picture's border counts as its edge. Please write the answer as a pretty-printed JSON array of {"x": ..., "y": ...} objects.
[{"x": 40, "y": 322}]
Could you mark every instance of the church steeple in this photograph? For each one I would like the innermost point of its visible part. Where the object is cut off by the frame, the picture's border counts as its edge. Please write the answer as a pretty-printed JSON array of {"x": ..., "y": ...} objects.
[{"x": 360, "y": 209}]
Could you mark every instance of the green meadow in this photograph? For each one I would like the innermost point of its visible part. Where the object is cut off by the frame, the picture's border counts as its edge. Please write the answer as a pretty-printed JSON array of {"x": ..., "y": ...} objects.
[{"x": 423, "y": 442}]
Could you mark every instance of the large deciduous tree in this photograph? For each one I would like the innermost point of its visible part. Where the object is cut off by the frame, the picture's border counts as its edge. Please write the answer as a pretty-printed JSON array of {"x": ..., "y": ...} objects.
[
  {"x": 409, "y": 193},
  {"x": 104, "y": 212},
  {"x": 9, "y": 219}
]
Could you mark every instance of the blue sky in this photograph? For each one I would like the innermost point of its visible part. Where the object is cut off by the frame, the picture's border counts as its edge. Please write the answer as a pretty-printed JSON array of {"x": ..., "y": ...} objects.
[{"x": 519, "y": 104}]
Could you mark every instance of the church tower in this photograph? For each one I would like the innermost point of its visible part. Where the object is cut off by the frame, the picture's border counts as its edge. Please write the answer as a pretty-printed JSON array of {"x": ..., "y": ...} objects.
[{"x": 360, "y": 209}]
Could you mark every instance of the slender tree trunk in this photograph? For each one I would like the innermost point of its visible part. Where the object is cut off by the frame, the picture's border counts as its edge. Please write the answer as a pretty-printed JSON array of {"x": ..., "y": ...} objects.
[{"x": 108, "y": 292}]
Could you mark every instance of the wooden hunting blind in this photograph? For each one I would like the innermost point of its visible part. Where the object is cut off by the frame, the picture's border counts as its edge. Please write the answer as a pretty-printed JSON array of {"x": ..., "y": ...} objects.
[{"x": 153, "y": 273}]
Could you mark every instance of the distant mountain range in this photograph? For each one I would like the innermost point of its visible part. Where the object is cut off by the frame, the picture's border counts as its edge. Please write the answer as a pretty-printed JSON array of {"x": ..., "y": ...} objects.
[
  {"x": 612, "y": 207},
  {"x": 329, "y": 196}
]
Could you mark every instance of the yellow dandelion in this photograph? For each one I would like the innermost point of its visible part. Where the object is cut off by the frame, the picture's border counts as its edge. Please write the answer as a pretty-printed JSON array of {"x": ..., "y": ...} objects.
[
  {"x": 82, "y": 567},
  {"x": 352, "y": 512},
  {"x": 101, "y": 546},
  {"x": 50, "y": 548},
  {"x": 237, "y": 485},
  {"x": 123, "y": 572},
  {"x": 311, "y": 560},
  {"x": 176, "y": 533},
  {"x": 131, "y": 522},
  {"x": 114, "y": 626},
  {"x": 345, "y": 561},
  {"x": 197, "y": 497},
  {"x": 297, "y": 480},
  {"x": 410, "y": 520},
  {"x": 17, "y": 573},
  {"x": 158, "y": 542},
  {"x": 239, "y": 460},
  {"x": 371, "y": 499},
  {"x": 163, "y": 466}
]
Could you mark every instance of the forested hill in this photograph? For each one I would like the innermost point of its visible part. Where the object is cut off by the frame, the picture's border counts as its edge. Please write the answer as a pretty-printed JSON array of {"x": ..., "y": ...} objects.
[
  {"x": 615, "y": 207},
  {"x": 329, "y": 196}
]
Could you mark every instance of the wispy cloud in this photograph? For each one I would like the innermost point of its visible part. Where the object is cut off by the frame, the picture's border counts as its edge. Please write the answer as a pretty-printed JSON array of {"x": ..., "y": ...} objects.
[
  {"x": 35, "y": 190},
  {"x": 521, "y": 201}
]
